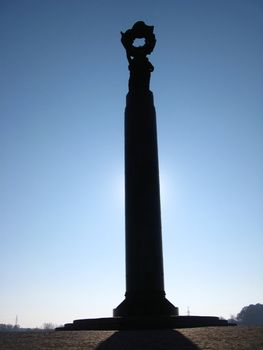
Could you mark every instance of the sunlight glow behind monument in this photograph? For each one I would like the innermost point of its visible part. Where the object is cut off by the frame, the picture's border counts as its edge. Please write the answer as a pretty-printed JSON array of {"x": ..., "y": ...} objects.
[{"x": 145, "y": 305}]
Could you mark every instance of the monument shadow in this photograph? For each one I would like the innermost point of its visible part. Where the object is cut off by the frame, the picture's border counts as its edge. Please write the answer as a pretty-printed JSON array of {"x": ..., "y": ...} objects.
[{"x": 149, "y": 339}]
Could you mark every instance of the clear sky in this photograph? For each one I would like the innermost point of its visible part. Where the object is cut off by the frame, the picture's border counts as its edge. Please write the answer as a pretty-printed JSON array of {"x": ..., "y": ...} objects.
[{"x": 63, "y": 81}]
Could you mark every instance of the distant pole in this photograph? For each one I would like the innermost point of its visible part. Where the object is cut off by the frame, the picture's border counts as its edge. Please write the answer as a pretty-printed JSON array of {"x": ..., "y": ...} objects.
[{"x": 145, "y": 293}]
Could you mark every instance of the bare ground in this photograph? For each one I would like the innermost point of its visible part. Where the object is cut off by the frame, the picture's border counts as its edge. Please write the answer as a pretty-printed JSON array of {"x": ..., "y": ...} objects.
[{"x": 208, "y": 338}]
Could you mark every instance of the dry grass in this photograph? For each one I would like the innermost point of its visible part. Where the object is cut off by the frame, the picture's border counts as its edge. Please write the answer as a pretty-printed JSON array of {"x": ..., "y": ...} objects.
[{"x": 209, "y": 338}]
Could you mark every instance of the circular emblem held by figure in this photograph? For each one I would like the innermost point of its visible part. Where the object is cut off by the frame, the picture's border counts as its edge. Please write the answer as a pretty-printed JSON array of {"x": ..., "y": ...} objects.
[{"x": 139, "y": 31}]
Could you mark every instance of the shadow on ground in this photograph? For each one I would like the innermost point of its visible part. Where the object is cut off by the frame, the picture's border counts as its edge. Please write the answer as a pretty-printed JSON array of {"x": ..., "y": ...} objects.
[{"x": 152, "y": 339}]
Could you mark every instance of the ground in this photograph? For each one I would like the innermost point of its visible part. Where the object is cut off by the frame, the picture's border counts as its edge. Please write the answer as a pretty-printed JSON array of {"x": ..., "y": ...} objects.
[{"x": 207, "y": 338}]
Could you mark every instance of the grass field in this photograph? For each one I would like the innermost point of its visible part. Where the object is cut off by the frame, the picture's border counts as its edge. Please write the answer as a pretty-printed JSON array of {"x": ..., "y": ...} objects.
[{"x": 208, "y": 338}]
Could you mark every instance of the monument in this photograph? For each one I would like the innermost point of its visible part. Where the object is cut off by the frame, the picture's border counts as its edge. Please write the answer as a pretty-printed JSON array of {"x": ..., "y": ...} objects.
[
  {"x": 145, "y": 305},
  {"x": 145, "y": 293}
]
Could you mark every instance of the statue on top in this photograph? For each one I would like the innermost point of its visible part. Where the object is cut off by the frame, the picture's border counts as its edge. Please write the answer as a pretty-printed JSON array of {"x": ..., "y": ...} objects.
[{"x": 139, "y": 65}]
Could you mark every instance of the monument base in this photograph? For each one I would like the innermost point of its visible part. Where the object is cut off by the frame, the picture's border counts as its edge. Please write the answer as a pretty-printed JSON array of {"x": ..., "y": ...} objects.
[
  {"x": 145, "y": 306},
  {"x": 137, "y": 323}
]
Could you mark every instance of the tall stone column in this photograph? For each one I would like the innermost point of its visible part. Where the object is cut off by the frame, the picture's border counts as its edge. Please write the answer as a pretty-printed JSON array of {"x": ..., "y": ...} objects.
[{"x": 145, "y": 295}]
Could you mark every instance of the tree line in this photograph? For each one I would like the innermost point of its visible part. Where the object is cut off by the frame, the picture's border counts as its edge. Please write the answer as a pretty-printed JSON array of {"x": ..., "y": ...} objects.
[
  {"x": 251, "y": 315},
  {"x": 16, "y": 328}
]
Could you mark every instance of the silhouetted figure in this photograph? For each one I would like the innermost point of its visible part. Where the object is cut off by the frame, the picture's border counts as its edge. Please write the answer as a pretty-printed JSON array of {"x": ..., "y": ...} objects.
[
  {"x": 139, "y": 65},
  {"x": 140, "y": 73}
]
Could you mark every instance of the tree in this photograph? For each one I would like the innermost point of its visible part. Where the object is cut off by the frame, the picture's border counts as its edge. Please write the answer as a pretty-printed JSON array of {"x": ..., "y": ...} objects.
[
  {"x": 251, "y": 315},
  {"x": 48, "y": 326}
]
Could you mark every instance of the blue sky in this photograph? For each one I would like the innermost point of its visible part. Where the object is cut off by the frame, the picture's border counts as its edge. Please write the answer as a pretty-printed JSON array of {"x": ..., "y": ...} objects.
[{"x": 63, "y": 84}]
